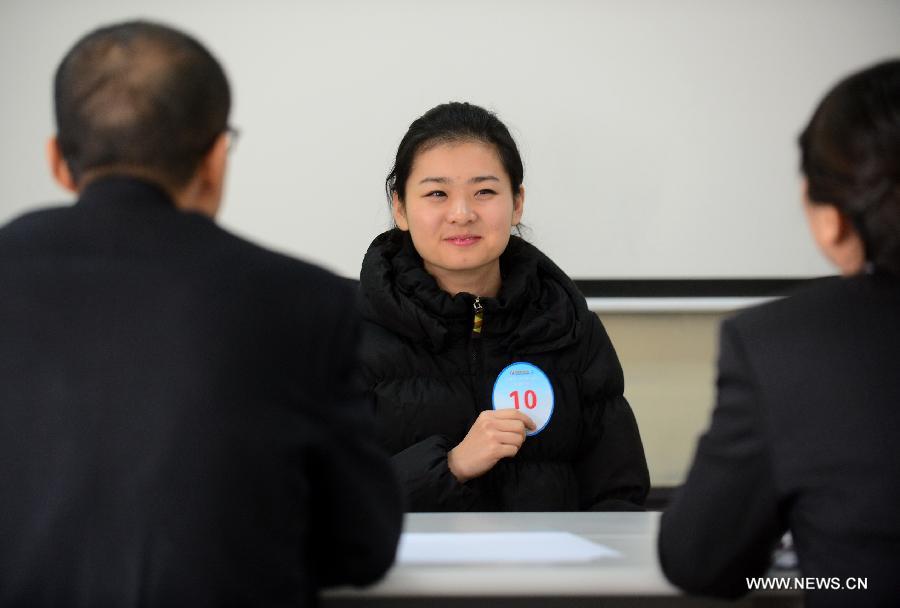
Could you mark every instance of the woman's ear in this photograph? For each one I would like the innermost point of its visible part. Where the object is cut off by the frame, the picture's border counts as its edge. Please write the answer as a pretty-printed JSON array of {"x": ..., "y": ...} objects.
[
  {"x": 398, "y": 210},
  {"x": 518, "y": 206},
  {"x": 824, "y": 223},
  {"x": 59, "y": 168},
  {"x": 835, "y": 236}
]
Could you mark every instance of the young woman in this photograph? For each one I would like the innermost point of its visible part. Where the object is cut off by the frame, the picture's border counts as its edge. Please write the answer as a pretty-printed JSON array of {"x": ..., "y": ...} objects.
[
  {"x": 804, "y": 435},
  {"x": 496, "y": 389}
]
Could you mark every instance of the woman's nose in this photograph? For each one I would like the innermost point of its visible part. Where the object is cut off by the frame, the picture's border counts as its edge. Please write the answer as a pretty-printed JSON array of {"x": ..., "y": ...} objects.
[{"x": 461, "y": 210}]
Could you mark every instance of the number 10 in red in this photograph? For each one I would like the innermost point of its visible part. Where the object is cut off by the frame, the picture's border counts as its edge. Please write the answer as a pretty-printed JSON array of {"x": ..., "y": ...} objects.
[{"x": 530, "y": 399}]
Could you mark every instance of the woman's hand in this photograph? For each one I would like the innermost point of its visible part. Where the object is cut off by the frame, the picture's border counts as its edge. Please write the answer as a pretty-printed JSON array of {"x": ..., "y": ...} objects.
[{"x": 495, "y": 434}]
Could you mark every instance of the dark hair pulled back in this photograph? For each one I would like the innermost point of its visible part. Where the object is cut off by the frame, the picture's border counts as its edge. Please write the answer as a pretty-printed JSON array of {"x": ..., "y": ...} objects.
[
  {"x": 850, "y": 155},
  {"x": 449, "y": 123}
]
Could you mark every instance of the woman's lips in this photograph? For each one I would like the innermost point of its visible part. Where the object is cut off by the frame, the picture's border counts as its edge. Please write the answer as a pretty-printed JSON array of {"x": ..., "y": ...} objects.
[{"x": 463, "y": 240}]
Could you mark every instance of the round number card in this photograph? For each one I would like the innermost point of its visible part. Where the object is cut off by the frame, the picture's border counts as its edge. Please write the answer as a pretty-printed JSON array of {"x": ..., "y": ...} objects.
[{"x": 524, "y": 387}]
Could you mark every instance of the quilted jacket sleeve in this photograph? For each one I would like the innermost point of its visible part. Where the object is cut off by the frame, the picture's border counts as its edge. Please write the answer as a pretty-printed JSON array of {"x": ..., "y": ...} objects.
[
  {"x": 612, "y": 469},
  {"x": 427, "y": 481}
]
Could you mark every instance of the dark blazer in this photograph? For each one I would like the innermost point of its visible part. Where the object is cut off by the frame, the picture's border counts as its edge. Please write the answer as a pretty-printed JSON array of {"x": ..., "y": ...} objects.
[
  {"x": 180, "y": 417},
  {"x": 805, "y": 436}
]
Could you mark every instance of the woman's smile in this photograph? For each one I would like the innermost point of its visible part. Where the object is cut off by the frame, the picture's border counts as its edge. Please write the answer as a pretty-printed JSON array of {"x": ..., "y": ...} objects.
[{"x": 463, "y": 240}]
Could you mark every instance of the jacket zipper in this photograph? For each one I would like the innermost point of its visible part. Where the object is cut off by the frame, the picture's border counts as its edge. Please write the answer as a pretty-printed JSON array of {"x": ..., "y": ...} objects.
[
  {"x": 477, "y": 350},
  {"x": 477, "y": 318}
]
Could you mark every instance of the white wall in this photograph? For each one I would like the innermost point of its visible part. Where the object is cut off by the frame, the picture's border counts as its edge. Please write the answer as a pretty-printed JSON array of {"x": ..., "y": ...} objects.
[{"x": 658, "y": 136}]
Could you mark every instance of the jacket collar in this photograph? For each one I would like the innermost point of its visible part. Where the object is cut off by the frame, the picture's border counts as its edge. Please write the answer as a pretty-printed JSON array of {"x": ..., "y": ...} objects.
[
  {"x": 538, "y": 307},
  {"x": 123, "y": 191}
]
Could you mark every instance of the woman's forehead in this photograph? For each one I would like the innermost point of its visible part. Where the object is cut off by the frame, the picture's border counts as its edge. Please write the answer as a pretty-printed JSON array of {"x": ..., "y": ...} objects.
[{"x": 458, "y": 159}]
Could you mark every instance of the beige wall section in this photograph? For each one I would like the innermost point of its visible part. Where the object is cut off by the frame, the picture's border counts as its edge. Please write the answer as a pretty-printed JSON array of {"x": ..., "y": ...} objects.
[{"x": 669, "y": 361}]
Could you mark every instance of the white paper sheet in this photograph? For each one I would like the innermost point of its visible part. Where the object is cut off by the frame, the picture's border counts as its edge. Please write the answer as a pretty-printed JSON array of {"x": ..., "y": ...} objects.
[{"x": 498, "y": 547}]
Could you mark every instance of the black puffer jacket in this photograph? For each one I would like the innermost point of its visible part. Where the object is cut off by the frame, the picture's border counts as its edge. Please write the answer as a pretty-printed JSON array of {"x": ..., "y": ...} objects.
[{"x": 431, "y": 376}]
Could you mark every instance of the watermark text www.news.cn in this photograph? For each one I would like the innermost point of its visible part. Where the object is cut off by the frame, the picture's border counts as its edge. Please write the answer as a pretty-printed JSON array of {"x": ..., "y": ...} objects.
[{"x": 808, "y": 583}]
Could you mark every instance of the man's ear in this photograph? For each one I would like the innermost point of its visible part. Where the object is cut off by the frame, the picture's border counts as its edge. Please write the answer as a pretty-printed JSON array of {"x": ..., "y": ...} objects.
[
  {"x": 216, "y": 161},
  {"x": 399, "y": 212},
  {"x": 59, "y": 168},
  {"x": 204, "y": 191}
]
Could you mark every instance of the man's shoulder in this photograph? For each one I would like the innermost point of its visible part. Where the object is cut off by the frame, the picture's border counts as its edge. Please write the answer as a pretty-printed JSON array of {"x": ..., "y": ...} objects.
[
  {"x": 27, "y": 232},
  {"x": 254, "y": 261},
  {"x": 35, "y": 218},
  {"x": 190, "y": 241}
]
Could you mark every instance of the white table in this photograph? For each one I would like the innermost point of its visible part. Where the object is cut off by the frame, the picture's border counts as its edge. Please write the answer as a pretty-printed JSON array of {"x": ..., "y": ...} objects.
[{"x": 634, "y": 579}]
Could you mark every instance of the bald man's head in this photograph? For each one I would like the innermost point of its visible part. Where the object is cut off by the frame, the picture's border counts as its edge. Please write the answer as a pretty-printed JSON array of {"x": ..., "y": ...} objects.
[{"x": 139, "y": 98}]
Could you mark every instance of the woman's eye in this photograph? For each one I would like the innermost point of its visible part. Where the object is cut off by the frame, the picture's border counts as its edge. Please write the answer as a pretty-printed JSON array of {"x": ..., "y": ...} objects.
[
  {"x": 435, "y": 194},
  {"x": 485, "y": 192}
]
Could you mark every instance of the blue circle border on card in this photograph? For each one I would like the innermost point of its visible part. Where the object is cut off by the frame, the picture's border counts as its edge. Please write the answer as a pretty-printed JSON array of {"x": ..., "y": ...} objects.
[{"x": 550, "y": 384}]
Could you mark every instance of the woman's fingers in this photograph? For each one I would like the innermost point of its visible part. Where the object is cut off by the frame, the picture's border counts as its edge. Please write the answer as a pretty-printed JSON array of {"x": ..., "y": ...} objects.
[
  {"x": 511, "y": 414},
  {"x": 508, "y": 438}
]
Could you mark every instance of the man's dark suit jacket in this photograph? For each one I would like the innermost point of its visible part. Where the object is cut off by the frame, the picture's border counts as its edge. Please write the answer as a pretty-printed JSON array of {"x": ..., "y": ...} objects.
[
  {"x": 805, "y": 435},
  {"x": 179, "y": 418}
]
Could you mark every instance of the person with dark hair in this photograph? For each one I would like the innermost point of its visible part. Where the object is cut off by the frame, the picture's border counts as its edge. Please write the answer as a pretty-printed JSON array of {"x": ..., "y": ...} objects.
[
  {"x": 496, "y": 389},
  {"x": 183, "y": 421},
  {"x": 804, "y": 433}
]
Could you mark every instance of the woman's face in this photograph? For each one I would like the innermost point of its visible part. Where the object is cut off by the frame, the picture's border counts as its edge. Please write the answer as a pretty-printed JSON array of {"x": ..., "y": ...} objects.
[{"x": 459, "y": 209}]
